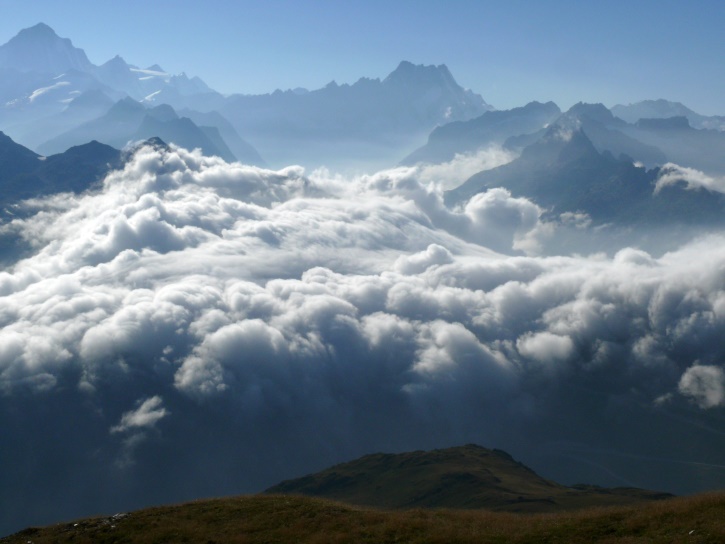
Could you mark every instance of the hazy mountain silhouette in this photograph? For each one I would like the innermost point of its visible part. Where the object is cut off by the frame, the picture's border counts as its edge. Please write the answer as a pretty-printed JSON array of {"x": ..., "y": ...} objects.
[
  {"x": 40, "y": 49},
  {"x": 128, "y": 120},
  {"x": 371, "y": 116},
  {"x": 85, "y": 107},
  {"x": 702, "y": 149},
  {"x": 493, "y": 127},
  {"x": 658, "y": 109},
  {"x": 242, "y": 149},
  {"x": 564, "y": 172},
  {"x": 41, "y": 73},
  {"x": 607, "y": 133},
  {"x": 183, "y": 132}
]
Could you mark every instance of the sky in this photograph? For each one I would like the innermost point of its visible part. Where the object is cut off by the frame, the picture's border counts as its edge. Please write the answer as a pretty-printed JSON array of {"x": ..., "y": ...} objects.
[{"x": 509, "y": 52}]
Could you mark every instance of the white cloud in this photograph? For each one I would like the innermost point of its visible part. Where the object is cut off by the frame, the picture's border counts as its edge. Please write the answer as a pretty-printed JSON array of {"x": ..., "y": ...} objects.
[
  {"x": 545, "y": 347},
  {"x": 704, "y": 384},
  {"x": 295, "y": 318},
  {"x": 148, "y": 413},
  {"x": 451, "y": 174},
  {"x": 671, "y": 174},
  {"x": 43, "y": 90}
]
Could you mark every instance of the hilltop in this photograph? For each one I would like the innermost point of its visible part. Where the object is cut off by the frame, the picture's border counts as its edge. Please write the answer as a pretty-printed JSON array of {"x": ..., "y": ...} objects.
[{"x": 468, "y": 476}]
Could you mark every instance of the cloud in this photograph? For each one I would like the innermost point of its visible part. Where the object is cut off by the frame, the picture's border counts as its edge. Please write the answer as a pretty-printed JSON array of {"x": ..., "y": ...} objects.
[
  {"x": 451, "y": 174},
  {"x": 671, "y": 174},
  {"x": 704, "y": 384},
  {"x": 148, "y": 413},
  {"x": 289, "y": 321},
  {"x": 545, "y": 347}
]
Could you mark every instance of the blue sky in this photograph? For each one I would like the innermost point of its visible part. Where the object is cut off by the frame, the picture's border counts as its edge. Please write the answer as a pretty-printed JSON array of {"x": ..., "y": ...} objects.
[{"x": 510, "y": 52}]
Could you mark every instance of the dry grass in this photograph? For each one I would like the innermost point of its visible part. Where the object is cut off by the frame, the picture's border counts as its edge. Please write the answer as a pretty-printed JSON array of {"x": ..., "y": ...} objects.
[{"x": 273, "y": 519}]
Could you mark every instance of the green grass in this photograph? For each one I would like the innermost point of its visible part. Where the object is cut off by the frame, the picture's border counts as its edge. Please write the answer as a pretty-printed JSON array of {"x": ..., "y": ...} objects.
[{"x": 279, "y": 518}]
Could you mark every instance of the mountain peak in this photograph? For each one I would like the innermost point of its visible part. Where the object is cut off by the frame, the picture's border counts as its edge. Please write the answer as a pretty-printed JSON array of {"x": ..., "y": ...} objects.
[
  {"x": 41, "y": 30},
  {"x": 40, "y": 49},
  {"x": 596, "y": 112},
  {"x": 408, "y": 72}
]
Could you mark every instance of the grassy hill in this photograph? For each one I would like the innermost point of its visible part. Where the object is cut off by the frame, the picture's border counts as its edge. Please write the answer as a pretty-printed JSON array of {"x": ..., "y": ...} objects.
[
  {"x": 277, "y": 518},
  {"x": 461, "y": 477}
]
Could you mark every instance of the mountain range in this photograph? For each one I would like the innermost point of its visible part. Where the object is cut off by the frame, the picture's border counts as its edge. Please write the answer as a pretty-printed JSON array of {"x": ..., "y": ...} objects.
[
  {"x": 565, "y": 172},
  {"x": 45, "y": 81}
]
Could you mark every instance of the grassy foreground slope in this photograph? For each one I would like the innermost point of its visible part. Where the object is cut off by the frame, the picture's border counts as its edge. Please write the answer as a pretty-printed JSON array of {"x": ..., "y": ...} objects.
[{"x": 279, "y": 518}]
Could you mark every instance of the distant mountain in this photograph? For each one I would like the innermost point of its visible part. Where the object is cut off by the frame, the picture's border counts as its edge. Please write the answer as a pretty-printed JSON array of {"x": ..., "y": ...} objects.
[
  {"x": 40, "y": 49},
  {"x": 388, "y": 115},
  {"x": 242, "y": 149},
  {"x": 493, "y": 127},
  {"x": 659, "y": 109},
  {"x": 115, "y": 128},
  {"x": 609, "y": 133},
  {"x": 41, "y": 73},
  {"x": 371, "y": 122},
  {"x": 461, "y": 477},
  {"x": 651, "y": 142},
  {"x": 153, "y": 85},
  {"x": 185, "y": 133},
  {"x": 564, "y": 172},
  {"x": 83, "y": 108},
  {"x": 128, "y": 120},
  {"x": 703, "y": 149}
]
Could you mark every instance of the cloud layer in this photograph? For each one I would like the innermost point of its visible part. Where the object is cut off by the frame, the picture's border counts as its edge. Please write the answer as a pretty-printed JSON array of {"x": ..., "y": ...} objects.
[{"x": 196, "y": 327}]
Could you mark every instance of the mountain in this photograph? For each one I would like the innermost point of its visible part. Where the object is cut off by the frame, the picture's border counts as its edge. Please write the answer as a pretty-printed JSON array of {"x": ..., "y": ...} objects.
[
  {"x": 608, "y": 133},
  {"x": 83, "y": 108},
  {"x": 185, "y": 133},
  {"x": 241, "y": 149},
  {"x": 461, "y": 477},
  {"x": 114, "y": 128},
  {"x": 702, "y": 149},
  {"x": 25, "y": 174},
  {"x": 41, "y": 73},
  {"x": 564, "y": 172},
  {"x": 520, "y": 127},
  {"x": 128, "y": 120},
  {"x": 493, "y": 127},
  {"x": 40, "y": 49},
  {"x": 153, "y": 85},
  {"x": 352, "y": 122},
  {"x": 370, "y": 123},
  {"x": 15, "y": 159},
  {"x": 659, "y": 109}
]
